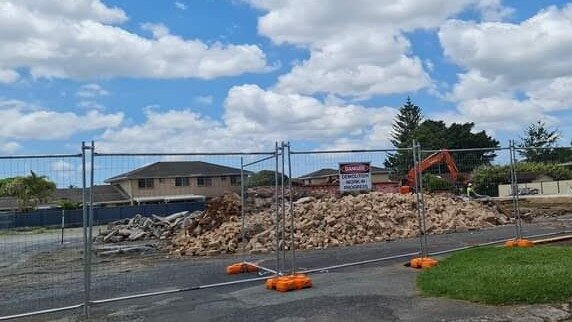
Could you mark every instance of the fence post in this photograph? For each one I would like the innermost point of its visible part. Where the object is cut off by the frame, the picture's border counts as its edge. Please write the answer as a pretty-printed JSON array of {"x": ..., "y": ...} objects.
[
  {"x": 277, "y": 211},
  {"x": 417, "y": 168},
  {"x": 86, "y": 248},
  {"x": 242, "y": 210},
  {"x": 283, "y": 209},
  {"x": 515, "y": 192},
  {"x": 291, "y": 210},
  {"x": 422, "y": 204}
]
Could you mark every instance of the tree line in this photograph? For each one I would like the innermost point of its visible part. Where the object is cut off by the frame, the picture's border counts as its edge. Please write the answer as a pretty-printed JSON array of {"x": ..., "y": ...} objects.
[
  {"x": 538, "y": 149},
  {"x": 538, "y": 144}
]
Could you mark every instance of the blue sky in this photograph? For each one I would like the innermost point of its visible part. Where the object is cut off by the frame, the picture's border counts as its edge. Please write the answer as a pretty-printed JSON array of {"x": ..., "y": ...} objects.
[{"x": 237, "y": 75}]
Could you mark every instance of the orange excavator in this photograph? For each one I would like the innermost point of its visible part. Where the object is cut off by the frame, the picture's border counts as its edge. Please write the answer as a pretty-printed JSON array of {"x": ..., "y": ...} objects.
[{"x": 433, "y": 159}]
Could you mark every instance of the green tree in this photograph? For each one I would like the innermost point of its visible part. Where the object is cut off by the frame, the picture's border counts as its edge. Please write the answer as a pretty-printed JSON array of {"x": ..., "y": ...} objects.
[
  {"x": 404, "y": 125},
  {"x": 436, "y": 135},
  {"x": 537, "y": 135},
  {"x": 29, "y": 191},
  {"x": 263, "y": 178},
  {"x": 67, "y": 204}
]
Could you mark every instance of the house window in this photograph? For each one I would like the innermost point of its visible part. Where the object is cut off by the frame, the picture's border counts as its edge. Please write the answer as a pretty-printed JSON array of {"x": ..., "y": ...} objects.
[
  {"x": 204, "y": 181},
  {"x": 235, "y": 181},
  {"x": 145, "y": 183},
  {"x": 182, "y": 181}
]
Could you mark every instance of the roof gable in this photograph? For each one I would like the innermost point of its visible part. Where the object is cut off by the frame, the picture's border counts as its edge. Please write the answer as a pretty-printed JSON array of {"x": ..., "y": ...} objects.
[{"x": 177, "y": 169}]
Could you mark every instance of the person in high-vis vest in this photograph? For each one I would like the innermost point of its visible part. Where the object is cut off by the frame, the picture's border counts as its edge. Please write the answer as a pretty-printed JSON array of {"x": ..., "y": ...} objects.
[{"x": 470, "y": 191}]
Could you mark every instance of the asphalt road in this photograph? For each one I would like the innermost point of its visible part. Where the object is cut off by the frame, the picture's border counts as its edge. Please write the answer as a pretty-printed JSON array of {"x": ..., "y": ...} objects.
[{"x": 382, "y": 291}]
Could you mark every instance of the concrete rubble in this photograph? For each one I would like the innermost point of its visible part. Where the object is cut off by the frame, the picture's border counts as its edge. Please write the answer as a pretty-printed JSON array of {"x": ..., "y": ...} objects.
[
  {"x": 321, "y": 221},
  {"x": 330, "y": 221}
]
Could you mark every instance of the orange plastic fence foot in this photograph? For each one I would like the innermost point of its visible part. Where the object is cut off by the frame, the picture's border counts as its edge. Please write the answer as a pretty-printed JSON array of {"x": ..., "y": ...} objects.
[
  {"x": 285, "y": 284},
  {"x": 423, "y": 262},
  {"x": 271, "y": 283},
  {"x": 511, "y": 243},
  {"x": 518, "y": 243},
  {"x": 302, "y": 281},
  {"x": 289, "y": 283},
  {"x": 241, "y": 268},
  {"x": 525, "y": 243}
]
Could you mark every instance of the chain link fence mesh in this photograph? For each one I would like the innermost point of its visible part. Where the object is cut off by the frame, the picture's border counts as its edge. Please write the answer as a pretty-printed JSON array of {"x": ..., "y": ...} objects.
[
  {"x": 150, "y": 248},
  {"x": 41, "y": 239},
  {"x": 275, "y": 201}
]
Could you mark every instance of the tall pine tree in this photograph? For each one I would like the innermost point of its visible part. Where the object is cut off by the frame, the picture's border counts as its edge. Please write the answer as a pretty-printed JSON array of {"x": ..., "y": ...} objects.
[
  {"x": 406, "y": 122},
  {"x": 537, "y": 135},
  {"x": 404, "y": 125}
]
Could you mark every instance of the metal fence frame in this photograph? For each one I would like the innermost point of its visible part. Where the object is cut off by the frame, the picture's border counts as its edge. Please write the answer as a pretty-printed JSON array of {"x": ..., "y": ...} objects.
[{"x": 284, "y": 152}]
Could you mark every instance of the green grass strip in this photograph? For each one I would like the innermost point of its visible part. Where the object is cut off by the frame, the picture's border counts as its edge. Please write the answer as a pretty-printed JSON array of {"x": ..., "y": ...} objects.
[{"x": 499, "y": 275}]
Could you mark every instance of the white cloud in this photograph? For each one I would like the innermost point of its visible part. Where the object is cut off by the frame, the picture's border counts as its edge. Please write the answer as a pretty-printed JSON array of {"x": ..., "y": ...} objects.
[
  {"x": 28, "y": 122},
  {"x": 62, "y": 166},
  {"x": 91, "y": 90},
  {"x": 9, "y": 147},
  {"x": 357, "y": 64},
  {"x": 181, "y": 5},
  {"x": 173, "y": 130},
  {"x": 516, "y": 73},
  {"x": 493, "y": 10},
  {"x": 250, "y": 109},
  {"x": 91, "y": 105},
  {"x": 8, "y": 76},
  {"x": 204, "y": 100},
  {"x": 74, "y": 9},
  {"x": 357, "y": 48},
  {"x": 76, "y": 39},
  {"x": 254, "y": 118}
]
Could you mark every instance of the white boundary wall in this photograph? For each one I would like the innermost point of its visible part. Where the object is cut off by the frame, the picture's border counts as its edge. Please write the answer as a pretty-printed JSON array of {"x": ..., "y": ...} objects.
[{"x": 544, "y": 188}]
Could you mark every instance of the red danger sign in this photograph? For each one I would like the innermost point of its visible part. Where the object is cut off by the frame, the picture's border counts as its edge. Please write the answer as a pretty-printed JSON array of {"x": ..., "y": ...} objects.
[{"x": 354, "y": 168}]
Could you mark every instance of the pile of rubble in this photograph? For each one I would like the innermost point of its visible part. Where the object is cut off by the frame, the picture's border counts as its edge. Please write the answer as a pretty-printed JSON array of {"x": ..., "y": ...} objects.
[
  {"x": 338, "y": 221},
  {"x": 219, "y": 211},
  {"x": 320, "y": 222}
]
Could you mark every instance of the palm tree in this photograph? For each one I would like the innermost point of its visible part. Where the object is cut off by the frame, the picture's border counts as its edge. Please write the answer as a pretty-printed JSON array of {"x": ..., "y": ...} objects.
[{"x": 30, "y": 190}]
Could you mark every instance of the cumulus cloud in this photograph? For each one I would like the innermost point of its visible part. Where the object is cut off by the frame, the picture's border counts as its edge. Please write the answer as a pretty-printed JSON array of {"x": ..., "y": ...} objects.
[
  {"x": 173, "y": 131},
  {"x": 357, "y": 48},
  {"x": 91, "y": 91},
  {"x": 180, "y": 5},
  {"x": 253, "y": 119},
  {"x": 204, "y": 100},
  {"x": 81, "y": 39},
  {"x": 8, "y": 76},
  {"x": 28, "y": 122},
  {"x": 516, "y": 73},
  {"x": 250, "y": 109}
]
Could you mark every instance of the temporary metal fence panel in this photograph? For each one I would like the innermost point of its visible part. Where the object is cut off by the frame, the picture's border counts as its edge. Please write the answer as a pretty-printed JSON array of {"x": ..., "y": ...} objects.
[
  {"x": 43, "y": 269},
  {"x": 542, "y": 172},
  {"x": 260, "y": 235},
  {"x": 542, "y": 178},
  {"x": 40, "y": 267},
  {"x": 122, "y": 266},
  {"x": 471, "y": 179},
  {"x": 319, "y": 226}
]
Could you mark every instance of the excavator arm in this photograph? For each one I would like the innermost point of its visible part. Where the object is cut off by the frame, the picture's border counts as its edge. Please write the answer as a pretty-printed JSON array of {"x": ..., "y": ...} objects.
[{"x": 433, "y": 159}]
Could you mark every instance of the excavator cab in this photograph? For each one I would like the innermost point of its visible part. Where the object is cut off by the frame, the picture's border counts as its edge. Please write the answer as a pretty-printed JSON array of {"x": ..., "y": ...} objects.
[{"x": 408, "y": 184}]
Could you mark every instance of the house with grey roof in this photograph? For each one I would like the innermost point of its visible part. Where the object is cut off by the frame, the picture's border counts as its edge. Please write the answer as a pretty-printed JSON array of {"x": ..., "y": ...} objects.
[
  {"x": 328, "y": 176},
  {"x": 177, "y": 181}
]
